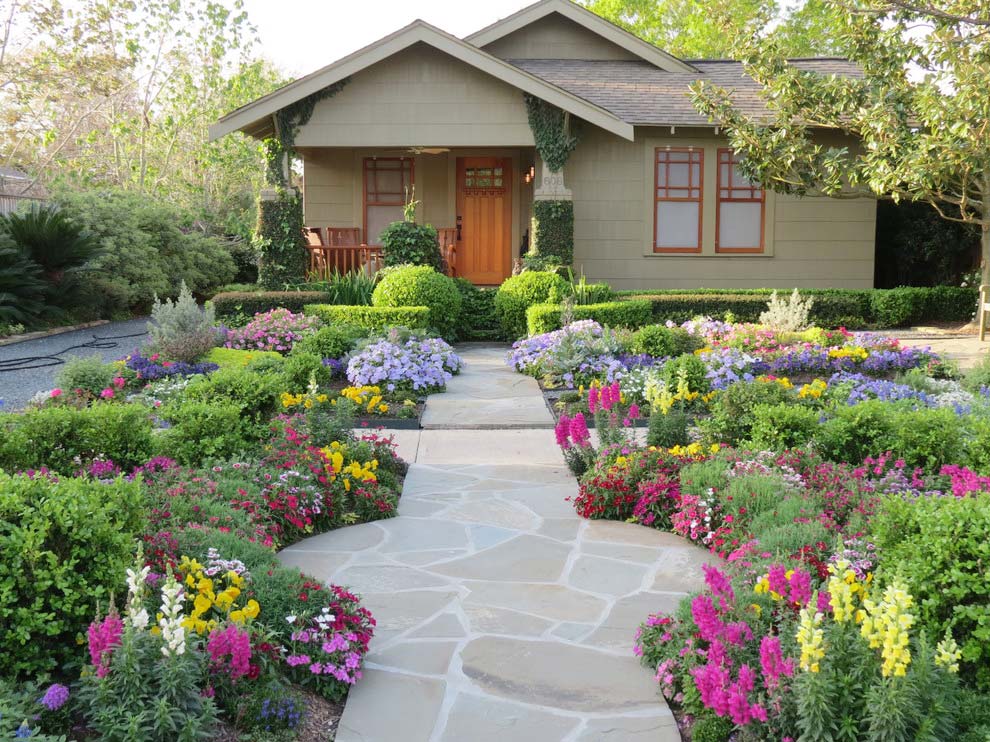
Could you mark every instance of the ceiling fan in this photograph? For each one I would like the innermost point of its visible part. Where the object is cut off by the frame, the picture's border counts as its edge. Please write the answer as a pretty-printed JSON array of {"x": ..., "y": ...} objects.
[{"x": 428, "y": 150}]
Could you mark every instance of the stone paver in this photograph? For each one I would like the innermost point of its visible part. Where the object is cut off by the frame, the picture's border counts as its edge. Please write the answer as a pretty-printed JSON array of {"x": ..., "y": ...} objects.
[{"x": 501, "y": 614}]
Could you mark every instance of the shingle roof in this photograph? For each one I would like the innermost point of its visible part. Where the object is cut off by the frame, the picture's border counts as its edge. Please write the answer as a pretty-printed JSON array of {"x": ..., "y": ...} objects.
[{"x": 640, "y": 93}]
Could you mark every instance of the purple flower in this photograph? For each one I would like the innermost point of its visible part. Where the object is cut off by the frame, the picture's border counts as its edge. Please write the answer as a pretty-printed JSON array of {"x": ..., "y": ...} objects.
[{"x": 55, "y": 697}]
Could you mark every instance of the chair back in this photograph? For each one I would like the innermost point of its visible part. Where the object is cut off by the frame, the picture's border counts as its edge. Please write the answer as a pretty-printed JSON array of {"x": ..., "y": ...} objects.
[
  {"x": 343, "y": 236},
  {"x": 314, "y": 236}
]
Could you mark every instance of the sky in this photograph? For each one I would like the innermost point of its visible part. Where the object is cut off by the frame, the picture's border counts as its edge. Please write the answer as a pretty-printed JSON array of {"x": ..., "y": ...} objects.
[{"x": 301, "y": 36}]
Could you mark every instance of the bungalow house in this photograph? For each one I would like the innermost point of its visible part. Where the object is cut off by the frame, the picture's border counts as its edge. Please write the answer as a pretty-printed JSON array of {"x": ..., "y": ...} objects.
[{"x": 657, "y": 200}]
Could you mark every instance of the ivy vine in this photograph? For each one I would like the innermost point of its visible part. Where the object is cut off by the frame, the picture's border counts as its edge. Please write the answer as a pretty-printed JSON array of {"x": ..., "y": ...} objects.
[
  {"x": 552, "y": 131},
  {"x": 288, "y": 121}
]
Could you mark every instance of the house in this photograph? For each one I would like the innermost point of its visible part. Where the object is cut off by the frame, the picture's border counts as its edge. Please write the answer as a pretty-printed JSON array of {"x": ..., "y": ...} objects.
[
  {"x": 657, "y": 200},
  {"x": 18, "y": 188}
]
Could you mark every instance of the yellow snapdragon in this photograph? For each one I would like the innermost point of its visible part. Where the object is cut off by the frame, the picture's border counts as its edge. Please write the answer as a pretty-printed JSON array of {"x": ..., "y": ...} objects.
[
  {"x": 886, "y": 624},
  {"x": 845, "y": 592},
  {"x": 811, "y": 639},
  {"x": 948, "y": 654}
]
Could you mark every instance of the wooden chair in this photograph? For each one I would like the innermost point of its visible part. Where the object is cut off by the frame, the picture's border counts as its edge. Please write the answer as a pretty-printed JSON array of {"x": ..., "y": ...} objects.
[
  {"x": 447, "y": 239},
  {"x": 984, "y": 309}
]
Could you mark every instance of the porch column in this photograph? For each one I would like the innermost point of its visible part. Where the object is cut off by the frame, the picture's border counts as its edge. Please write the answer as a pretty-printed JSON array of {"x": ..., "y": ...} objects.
[{"x": 552, "y": 186}]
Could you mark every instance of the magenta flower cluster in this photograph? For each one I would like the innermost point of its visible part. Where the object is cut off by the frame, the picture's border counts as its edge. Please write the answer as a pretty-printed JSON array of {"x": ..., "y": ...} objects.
[
  {"x": 572, "y": 431},
  {"x": 277, "y": 329},
  {"x": 230, "y": 651},
  {"x": 103, "y": 637}
]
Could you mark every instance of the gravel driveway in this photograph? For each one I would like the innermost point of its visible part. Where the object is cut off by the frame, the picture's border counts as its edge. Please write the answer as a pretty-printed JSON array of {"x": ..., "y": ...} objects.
[{"x": 19, "y": 385}]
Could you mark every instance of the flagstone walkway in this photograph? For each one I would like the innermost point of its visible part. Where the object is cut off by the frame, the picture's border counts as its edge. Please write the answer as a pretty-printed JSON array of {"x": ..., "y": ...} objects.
[{"x": 501, "y": 614}]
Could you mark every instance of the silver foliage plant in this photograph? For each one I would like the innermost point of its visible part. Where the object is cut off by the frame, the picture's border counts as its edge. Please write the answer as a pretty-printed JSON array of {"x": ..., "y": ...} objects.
[
  {"x": 788, "y": 315},
  {"x": 180, "y": 329}
]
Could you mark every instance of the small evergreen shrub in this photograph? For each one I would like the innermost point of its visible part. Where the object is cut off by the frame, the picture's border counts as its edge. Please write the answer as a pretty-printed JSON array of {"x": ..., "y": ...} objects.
[
  {"x": 199, "y": 431},
  {"x": 408, "y": 243},
  {"x": 663, "y": 342},
  {"x": 332, "y": 341},
  {"x": 88, "y": 373},
  {"x": 733, "y": 409},
  {"x": 180, "y": 330},
  {"x": 300, "y": 368},
  {"x": 780, "y": 426},
  {"x": 256, "y": 394},
  {"x": 519, "y": 293},
  {"x": 667, "y": 431},
  {"x": 711, "y": 728},
  {"x": 422, "y": 286},
  {"x": 372, "y": 318},
  {"x": 691, "y": 367},
  {"x": 64, "y": 543}
]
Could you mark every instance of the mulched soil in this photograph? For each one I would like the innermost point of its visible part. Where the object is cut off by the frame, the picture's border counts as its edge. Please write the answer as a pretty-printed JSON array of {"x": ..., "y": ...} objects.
[{"x": 319, "y": 723}]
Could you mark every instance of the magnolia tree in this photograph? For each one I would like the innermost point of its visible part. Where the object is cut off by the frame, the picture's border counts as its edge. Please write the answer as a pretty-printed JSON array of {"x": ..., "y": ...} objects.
[{"x": 920, "y": 109}]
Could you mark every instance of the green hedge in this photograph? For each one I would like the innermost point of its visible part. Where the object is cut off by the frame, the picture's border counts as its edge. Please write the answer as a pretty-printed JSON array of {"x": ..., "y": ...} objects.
[
  {"x": 833, "y": 307},
  {"x": 553, "y": 230},
  {"x": 632, "y": 313},
  {"x": 422, "y": 286},
  {"x": 251, "y": 302},
  {"x": 372, "y": 318}
]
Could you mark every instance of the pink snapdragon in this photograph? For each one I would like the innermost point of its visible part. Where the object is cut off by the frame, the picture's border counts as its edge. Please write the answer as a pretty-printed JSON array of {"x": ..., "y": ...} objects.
[
  {"x": 55, "y": 393},
  {"x": 107, "y": 393},
  {"x": 103, "y": 636},
  {"x": 233, "y": 642},
  {"x": 773, "y": 663}
]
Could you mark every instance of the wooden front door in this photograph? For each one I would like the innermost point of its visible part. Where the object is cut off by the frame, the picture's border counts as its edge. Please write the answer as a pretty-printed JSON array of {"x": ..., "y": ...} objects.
[{"x": 484, "y": 219}]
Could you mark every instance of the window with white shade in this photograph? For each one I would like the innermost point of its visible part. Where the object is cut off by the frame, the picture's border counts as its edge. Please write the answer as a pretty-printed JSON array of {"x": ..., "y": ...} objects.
[
  {"x": 678, "y": 183},
  {"x": 387, "y": 181},
  {"x": 740, "y": 208}
]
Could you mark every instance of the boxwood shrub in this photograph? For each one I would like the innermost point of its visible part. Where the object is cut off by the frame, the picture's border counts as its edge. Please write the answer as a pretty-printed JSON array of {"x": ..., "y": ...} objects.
[
  {"x": 65, "y": 543},
  {"x": 519, "y": 293},
  {"x": 372, "y": 318},
  {"x": 634, "y": 313},
  {"x": 251, "y": 302},
  {"x": 422, "y": 286},
  {"x": 60, "y": 437},
  {"x": 937, "y": 546}
]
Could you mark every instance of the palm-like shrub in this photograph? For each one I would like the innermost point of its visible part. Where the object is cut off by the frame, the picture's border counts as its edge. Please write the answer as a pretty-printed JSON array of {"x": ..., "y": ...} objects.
[
  {"x": 60, "y": 248},
  {"x": 22, "y": 291}
]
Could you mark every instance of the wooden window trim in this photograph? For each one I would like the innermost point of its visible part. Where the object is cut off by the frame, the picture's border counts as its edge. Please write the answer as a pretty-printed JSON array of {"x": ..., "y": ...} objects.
[
  {"x": 367, "y": 166},
  {"x": 700, "y": 200},
  {"x": 761, "y": 200}
]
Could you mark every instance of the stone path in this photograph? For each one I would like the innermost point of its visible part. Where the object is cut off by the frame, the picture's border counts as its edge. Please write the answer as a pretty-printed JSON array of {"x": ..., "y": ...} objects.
[{"x": 501, "y": 614}]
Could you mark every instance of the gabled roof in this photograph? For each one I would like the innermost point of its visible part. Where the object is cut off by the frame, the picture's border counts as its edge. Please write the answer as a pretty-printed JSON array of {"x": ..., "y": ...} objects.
[
  {"x": 255, "y": 117},
  {"x": 583, "y": 17},
  {"x": 643, "y": 95}
]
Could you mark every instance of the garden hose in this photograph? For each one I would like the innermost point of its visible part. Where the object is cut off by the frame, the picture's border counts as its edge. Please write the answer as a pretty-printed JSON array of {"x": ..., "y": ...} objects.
[{"x": 97, "y": 343}]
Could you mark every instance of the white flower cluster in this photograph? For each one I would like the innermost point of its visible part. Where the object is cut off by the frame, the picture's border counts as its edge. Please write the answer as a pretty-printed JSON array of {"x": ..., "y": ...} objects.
[{"x": 173, "y": 633}]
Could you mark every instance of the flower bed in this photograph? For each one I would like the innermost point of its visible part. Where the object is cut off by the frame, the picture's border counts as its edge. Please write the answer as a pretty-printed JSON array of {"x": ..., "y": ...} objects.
[
  {"x": 827, "y": 612},
  {"x": 174, "y": 483}
]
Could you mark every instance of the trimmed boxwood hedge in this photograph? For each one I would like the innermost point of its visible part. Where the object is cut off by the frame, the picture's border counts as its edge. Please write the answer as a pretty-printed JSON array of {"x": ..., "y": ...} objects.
[
  {"x": 252, "y": 302},
  {"x": 372, "y": 318},
  {"x": 632, "y": 313},
  {"x": 853, "y": 308}
]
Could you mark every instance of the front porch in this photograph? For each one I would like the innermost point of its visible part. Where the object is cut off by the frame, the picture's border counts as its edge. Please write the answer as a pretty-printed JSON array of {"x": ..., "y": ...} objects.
[{"x": 478, "y": 199}]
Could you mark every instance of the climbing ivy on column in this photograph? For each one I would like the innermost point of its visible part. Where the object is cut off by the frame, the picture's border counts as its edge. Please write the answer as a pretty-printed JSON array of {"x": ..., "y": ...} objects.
[
  {"x": 279, "y": 239},
  {"x": 552, "y": 132},
  {"x": 553, "y": 220}
]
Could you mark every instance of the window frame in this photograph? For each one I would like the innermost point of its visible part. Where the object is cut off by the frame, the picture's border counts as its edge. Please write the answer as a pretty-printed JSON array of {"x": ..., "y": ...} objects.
[
  {"x": 366, "y": 170},
  {"x": 719, "y": 187},
  {"x": 691, "y": 186}
]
